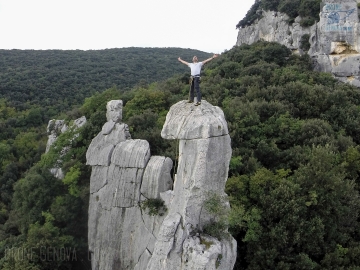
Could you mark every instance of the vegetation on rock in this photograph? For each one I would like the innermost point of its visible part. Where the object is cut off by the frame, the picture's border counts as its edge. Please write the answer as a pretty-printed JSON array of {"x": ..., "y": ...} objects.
[
  {"x": 215, "y": 206},
  {"x": 153, "y": 206},
  {"x": 308, "y": 10}
]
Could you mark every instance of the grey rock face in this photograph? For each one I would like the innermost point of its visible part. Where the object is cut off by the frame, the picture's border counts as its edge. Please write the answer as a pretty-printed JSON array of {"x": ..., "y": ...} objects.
[
  {"x": 121, "y": 235},
  {"x": 80, "y": 121},
  {"x": 184, "y": 121},
  {"x": 204, "y": 156},
  {"x": 157, "y": 177},
  {"x": 114, "y": 111},
  {"x": 124, "y": 236},
  {"x": 274, "y": 27},
  {"x": 334, "y": 40},
  {"x": 102, "y": 146}
]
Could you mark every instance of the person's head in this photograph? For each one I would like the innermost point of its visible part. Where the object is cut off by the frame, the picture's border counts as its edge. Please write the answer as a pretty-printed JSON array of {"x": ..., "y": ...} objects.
[{"x": 195, "y": 60}]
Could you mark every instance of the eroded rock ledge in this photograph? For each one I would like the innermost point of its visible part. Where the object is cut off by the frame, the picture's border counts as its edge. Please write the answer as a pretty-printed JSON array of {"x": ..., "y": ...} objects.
[{"x": 121, "y": 234}]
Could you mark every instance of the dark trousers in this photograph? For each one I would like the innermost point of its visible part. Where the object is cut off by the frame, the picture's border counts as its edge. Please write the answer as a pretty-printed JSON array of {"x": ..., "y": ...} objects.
[{"x": 195, "y": 85}]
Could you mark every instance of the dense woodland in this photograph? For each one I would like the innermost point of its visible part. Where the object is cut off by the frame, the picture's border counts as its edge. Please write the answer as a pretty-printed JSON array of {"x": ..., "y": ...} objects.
[{"x": 294, "y": 174}]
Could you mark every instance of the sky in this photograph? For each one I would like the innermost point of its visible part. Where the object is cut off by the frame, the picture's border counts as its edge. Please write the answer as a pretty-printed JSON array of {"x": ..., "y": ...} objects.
[{"x": 205, "y": 25}]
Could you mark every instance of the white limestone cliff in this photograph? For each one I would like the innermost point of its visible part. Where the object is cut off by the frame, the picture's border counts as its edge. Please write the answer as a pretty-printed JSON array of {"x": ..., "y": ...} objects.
[
  {"x": 122, "y": 235},
  {"x": 274, "y": 27},
  {"x": 334, "y": 39}
]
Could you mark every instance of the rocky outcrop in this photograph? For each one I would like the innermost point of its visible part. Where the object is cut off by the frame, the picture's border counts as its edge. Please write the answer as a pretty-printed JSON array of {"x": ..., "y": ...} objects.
[
  {"x": 274, "y": 27},
  {"x": 54, "y": 129},
  {"x": 122, "y": 235},
  {"x": 204, "y": 156},
  {"x": 334, "y": 40}
]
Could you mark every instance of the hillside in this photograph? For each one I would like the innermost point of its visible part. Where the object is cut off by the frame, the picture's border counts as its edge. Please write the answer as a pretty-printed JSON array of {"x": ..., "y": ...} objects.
[
  {"x": 63, "y": 78},
  {"x": 294, "y": 173}
]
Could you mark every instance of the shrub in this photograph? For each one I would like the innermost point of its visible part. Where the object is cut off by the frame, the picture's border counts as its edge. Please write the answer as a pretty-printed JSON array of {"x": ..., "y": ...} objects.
[
  {"x": 154, "y": 207},
  {"x": 290, "y": 7},
  {"x": 215, "y": 205},
  {"x": 307, "y": 21},
  {"x": 251, "y": 15},
  {"x": 304, "y": 42}
]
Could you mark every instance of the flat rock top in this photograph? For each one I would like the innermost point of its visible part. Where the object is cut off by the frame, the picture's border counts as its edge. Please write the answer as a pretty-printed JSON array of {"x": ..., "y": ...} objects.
[{"x": 186, "y": 121}]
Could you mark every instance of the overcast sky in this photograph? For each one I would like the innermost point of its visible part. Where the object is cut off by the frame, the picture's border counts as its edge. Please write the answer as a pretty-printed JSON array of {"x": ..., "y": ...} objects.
[{"x": 205, "y": 25}]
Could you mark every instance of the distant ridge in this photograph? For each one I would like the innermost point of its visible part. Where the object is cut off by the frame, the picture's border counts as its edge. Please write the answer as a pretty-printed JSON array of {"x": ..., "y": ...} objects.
[{"x": 36, "y": 76}]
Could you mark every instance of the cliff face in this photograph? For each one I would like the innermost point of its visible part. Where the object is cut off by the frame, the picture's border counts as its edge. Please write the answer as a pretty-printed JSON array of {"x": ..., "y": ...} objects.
[
  {"x": 122, "y": 235},
  {"x": 334, "y": 40},
  {"x": 274, "y": 27}
]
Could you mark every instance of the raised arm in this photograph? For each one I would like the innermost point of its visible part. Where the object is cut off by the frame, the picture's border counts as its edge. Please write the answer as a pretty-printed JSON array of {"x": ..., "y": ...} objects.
[
  {"x": 182, "y": 61},
  {"x": 211, "y": 58}
]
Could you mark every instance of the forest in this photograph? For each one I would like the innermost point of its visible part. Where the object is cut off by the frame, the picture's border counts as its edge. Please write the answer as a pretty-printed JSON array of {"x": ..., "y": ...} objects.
[{"x": 293, "y": 181}]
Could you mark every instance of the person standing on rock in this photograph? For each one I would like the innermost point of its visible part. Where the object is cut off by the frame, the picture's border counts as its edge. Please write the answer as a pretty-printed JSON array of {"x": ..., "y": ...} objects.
[{"x": 195, "y": 67}]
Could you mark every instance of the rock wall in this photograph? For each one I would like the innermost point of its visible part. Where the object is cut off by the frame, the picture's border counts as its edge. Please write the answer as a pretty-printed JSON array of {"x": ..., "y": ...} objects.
[
  {"x": 274, "y": 27},
  {"x": 120, "y": 235},
  {"x": 123, "y": 235},
  {"x": 334, "y": 40}
]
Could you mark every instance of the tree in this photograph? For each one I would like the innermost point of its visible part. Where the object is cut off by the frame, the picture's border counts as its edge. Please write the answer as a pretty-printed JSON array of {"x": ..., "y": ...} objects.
[
  {"x": 33, "y": 195},
  {"x": 296, "y": 221}
]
